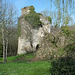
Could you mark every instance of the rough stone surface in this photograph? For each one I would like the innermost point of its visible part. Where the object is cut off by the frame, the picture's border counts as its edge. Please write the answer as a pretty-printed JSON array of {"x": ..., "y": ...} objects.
[
  {"x": 30, "y": 39},
  {"x": 25, "y": 10}
]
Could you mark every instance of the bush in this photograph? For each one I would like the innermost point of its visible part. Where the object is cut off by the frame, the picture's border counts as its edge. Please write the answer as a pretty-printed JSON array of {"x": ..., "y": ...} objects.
[
  {"x": 70, "y": 49},
  {"x": 65, "y": 30},
  {"x": 63, "y": 66}
]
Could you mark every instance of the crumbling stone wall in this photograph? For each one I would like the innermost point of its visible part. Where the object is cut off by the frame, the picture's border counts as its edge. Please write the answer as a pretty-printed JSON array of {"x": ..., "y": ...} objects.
[
  {"x": 25, "y": 11},
  {"x": 30, "y": 39}
]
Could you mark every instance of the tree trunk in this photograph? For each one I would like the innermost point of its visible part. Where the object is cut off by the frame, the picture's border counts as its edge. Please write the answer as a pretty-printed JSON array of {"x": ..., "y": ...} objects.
[
  {"x": 6, "y": 48},
  {"x": 4, "y": 51}
]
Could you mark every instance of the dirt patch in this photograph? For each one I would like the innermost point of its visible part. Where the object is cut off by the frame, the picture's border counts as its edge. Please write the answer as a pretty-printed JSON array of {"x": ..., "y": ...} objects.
[
  {"x": 1, "y": 62},
  {"x": 28, "y": 60},
  {"x": 35, "y": 59}
]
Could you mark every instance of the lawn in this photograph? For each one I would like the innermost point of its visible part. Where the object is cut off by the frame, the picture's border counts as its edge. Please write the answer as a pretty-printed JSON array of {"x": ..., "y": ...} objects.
[{"x": 24, "y": 67}]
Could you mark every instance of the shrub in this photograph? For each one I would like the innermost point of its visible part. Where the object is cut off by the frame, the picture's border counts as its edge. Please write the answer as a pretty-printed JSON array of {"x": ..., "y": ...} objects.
[
  {"x": 70, "y": 49},
  {"x": 63, "y": 66},
  {"x": 66, "y": 30}
]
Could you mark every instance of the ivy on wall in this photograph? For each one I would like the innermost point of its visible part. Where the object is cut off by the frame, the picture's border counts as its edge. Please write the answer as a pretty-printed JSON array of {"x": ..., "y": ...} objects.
[{"x": 33, "y": 18}]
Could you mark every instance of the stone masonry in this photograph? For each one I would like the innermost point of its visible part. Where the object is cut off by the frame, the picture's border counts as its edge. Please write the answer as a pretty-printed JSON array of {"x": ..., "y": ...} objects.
[{"x": 30, "y": 39}]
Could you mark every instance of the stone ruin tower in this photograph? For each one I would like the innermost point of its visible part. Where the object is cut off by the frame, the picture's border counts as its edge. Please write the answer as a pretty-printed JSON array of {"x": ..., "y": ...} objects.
[{"x": 30, "y": 39}]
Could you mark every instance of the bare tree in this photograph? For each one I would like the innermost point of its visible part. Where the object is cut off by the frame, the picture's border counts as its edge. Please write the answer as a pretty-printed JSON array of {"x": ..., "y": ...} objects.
[
  {"x": 7, "y": 20},
  {"x": 3, "y": 10}
]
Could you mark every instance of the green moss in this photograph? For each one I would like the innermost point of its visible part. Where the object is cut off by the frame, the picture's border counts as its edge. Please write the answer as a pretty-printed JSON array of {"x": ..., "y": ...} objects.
[
  {"x": 32, "y": 9},
  {"x": 39, "y": 14},
  {"x": 33, "y": 18}
]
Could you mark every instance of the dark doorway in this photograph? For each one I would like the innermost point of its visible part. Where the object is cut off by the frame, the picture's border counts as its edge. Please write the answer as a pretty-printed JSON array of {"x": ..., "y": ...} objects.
[{"x": 37, "y": 47}]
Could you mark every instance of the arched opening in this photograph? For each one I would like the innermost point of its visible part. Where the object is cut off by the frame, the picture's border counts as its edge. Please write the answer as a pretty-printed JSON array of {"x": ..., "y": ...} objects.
[
  {"x": 41, "y": 25},
  {"x": 37, "y": 47}
]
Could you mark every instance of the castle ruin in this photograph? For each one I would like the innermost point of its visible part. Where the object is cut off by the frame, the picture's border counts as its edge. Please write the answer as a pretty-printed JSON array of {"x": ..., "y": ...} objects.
[{"x": 30, "y": 39}]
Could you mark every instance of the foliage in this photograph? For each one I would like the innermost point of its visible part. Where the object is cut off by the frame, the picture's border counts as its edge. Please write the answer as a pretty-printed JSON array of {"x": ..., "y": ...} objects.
[
  {"x": 8, "y": 18},
  {"x": 32, "y": 9},
  {"x": 65, "y": 29},
  {"x": 63, "y": 66},
  {"x": 33, "y": 18},
  {"x": 12, "y": 42},
  {"x": 72, "y": 29},
  {"x": 56, "y": 25},
  {"x": 49, "y": 19},
  {"x": 39, "y": 14},
  {"x": 70, "y": 49},
  {"x": 50, "y": 46}
]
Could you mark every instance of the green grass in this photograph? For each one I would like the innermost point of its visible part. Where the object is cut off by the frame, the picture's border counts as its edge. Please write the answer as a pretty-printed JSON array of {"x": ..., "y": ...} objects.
[
  {"x": 24, "y": 67},
  {"x": 25, "y": 56},
  {"x": 1, "y": 59}
]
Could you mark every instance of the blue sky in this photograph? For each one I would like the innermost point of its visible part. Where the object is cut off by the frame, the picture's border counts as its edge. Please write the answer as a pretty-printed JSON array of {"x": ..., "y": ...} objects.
[{"x": 39, "y": 5}]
